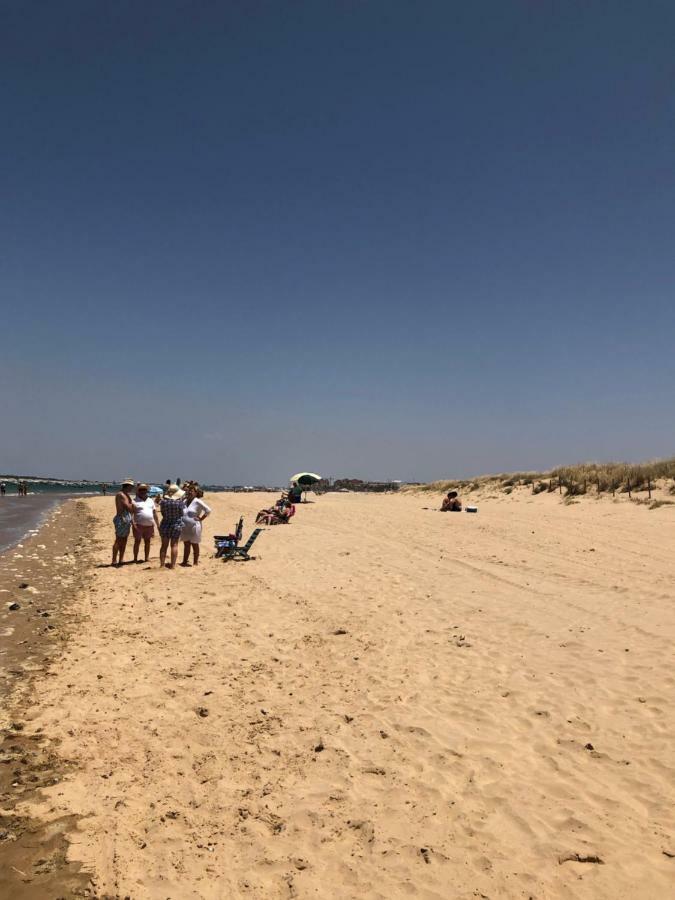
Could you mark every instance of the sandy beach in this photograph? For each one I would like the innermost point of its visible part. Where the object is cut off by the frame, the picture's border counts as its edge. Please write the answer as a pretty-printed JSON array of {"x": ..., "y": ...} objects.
[{"x": 386, "y": 702}]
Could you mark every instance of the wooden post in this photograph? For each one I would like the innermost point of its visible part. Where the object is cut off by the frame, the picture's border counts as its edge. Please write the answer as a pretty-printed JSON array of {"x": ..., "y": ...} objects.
[
  {"x": 598, "y": 487},
  {"x": 584, "y": 485},
  {"x": 649, "y": 487},
  {"x": 560, "y": 484},
  {"x": 629, "y": 493}
]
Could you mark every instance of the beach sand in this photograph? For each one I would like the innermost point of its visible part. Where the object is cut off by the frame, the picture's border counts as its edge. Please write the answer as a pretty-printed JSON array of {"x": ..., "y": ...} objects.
[
  {"x": 39, "y": 581},
  {"x": 386, "y": 702}
]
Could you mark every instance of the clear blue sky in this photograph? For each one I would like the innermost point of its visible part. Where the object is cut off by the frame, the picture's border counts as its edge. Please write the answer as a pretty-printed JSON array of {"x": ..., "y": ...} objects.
[{"x": 387, "y": 239}]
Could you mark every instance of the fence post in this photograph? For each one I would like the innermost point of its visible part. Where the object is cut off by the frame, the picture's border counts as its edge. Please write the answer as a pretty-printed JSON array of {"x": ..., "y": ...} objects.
[
  {"x": 629, "y": 493},
  {"x": 560, "y": 484},
  {"x": 649, "y": 487},
  {"x": 598, "y": 487}
]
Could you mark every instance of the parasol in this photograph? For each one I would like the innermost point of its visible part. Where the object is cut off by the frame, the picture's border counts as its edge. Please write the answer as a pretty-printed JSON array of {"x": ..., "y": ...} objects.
[{"x": 305, "y": 478}]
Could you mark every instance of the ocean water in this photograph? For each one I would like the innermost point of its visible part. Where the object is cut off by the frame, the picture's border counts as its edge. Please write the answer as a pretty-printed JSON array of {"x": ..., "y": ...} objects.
[
  {"x": 68, "y": 488},
  {"x": 22, "y": 516}
]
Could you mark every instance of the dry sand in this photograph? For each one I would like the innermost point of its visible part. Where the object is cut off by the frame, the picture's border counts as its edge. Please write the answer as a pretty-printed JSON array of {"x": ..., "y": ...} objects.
[{"x": 387, "y": 702}]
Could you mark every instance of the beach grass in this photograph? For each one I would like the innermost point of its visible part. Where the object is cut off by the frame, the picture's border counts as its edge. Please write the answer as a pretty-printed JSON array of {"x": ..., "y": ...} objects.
[{"x": 574, "y": 480}]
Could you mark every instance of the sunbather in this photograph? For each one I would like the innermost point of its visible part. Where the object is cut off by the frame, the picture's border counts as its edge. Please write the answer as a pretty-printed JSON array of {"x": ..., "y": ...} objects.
[
  {"x": 452, "y": 503},
  {"x": 279, "y": 514}
]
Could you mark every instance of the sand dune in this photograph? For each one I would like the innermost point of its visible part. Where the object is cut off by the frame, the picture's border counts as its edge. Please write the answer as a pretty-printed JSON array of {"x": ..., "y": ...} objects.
[{"x": 387, "y": 702}]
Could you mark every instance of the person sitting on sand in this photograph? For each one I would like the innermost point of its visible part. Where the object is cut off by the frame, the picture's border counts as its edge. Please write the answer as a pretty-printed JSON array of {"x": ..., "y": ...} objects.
[
  {"x": 285, "y": 512},
  {"x": 172, "y": 507},
  {"x": 452, "y": 503},
  {"x": 145, "y": 518},
  {"x": 279, "y": 514},
  {"x": 295, "y": 493},
  {"x": 195, "y": 513},
  {"x": 264, "y": 515},
  {"x": 122, "y": 521}
]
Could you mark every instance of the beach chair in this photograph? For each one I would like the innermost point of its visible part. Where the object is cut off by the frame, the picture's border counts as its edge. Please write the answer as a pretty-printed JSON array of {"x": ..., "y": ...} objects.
[
  {"x": 233, "y": 552},
  {"x": 225, "y": 542}
]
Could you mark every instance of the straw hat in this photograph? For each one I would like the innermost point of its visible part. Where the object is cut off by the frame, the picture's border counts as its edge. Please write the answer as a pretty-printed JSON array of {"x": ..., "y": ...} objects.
[
  {"x": 174, "y": 492},
  {"x": 126, "y": 481}
]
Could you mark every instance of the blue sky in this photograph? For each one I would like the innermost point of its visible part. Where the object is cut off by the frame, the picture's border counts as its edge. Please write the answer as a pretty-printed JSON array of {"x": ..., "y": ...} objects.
[{"x": 388, "y": 239}]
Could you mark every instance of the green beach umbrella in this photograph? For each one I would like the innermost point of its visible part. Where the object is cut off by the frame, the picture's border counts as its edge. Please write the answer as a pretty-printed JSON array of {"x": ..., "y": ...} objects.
[{"x": 305, "y": 478}]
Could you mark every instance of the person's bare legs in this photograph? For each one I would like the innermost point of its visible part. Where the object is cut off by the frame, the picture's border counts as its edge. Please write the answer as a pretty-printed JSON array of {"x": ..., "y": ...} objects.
[
  {"x": 174, "y": 552},
  {"x": 146, "y": 548},
  {"x": 121, "y": 547},
  {"x": 195, "y": 554},
  {"x": 186, "y": 553},
  {"x": 137, "y": 547},
  {"x": 115, "y": 551},
  {"x": 162, "y": 551}
]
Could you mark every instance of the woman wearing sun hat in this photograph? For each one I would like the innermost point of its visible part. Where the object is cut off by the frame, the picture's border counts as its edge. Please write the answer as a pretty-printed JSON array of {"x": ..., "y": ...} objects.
[
  {"x": 145, "y": 519},
  {"x": 172, "y": 507}
]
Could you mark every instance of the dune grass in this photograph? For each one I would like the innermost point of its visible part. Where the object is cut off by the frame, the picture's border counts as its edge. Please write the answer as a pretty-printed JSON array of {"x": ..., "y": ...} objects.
[{"x": 583, "y": 478}]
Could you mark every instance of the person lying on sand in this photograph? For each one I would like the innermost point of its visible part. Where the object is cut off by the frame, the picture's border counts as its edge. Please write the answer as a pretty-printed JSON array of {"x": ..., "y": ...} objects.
[
  {"x": 452, "y": 503},
  {"x": 281, "y": 513}
]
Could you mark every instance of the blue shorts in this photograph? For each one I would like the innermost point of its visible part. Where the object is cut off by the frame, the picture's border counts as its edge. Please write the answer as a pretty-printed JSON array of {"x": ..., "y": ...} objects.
[{"x": 122, "y": 523}]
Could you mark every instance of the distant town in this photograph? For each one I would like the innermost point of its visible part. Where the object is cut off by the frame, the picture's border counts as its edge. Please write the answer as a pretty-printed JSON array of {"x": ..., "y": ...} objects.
[{"x": 47, "y": 483}]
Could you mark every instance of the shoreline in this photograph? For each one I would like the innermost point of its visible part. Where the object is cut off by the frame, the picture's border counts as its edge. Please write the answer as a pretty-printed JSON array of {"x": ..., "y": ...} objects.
[
  {"x": 475, "y": 701},
  {"x": 43, "y": 573},
  {"x": 22, "y": 517}
]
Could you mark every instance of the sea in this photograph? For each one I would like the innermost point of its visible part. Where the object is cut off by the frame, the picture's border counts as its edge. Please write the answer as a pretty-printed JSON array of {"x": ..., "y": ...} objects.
[{"x": 23, "y": 516}]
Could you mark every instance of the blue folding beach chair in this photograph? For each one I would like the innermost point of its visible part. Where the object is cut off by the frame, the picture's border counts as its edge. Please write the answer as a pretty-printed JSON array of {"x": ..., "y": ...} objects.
[
  {"x": 227, "y": 546},
  {"x": 225, "y": 542},
  {"x": 243, "y": 552}
]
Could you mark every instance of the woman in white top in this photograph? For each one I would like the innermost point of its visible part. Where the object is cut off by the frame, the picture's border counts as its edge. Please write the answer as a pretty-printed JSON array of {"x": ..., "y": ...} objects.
[
  {"x": 144, "y": 520},
  {"x": 191, "y": 532}
]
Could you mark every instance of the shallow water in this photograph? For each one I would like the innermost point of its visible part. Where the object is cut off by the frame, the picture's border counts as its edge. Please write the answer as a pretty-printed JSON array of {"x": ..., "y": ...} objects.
[{"x": 21, "y": 516}]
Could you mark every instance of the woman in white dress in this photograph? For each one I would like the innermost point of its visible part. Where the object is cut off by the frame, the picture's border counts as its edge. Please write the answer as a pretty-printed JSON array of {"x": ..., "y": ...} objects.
[{"x": 191, "y": 532}]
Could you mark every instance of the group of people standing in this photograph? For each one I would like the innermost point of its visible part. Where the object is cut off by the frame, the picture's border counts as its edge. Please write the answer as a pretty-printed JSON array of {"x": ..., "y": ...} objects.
[
  {"x": 177, "y": 513},
  {"x": 21, "y": 488}
]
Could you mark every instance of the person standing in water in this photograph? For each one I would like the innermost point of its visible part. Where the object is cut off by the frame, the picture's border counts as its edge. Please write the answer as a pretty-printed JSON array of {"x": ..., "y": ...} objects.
[{"x": 124, "y": 509}]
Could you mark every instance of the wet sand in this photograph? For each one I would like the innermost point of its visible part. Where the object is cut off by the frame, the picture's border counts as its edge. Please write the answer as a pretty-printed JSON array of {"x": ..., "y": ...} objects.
[
  {"x": 22, "y": 516},
  {"x": 387, "y": 702},
  {"x": 42, "y": 576}
]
